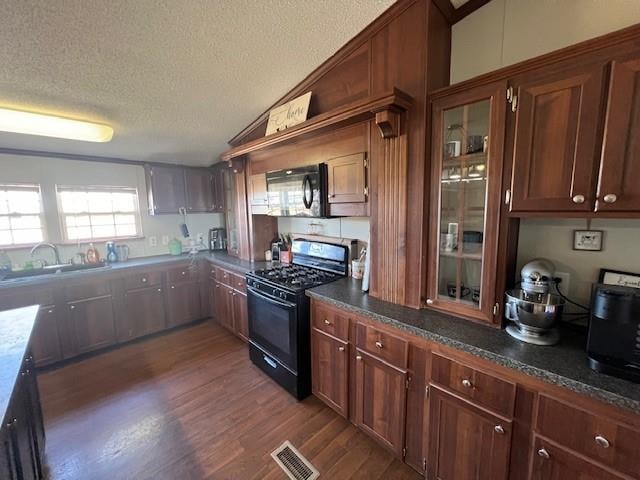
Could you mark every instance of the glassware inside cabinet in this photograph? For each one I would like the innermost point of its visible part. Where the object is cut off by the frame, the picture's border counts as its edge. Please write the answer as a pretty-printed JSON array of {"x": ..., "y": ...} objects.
[{"x": 463, "y": 200}]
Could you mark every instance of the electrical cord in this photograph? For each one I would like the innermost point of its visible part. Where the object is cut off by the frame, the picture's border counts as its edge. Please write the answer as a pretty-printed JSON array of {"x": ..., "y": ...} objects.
[{"x": 565, "y": 298}]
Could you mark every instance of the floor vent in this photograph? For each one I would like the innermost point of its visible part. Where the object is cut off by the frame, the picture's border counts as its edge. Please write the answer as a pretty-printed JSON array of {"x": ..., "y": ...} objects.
[{"x": 293, "y": 463}]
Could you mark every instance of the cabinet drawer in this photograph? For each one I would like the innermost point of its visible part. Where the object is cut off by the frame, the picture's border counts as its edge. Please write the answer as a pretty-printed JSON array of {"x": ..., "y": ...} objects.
[
  {"x": 142, "y": 279},
  {"x": 480, "y": 388},
  {"x": 182, "y": 274},
  {"x": 224, "y": 276},
  {"x": 23, "y": 297},
  {"x": 595, "y": 436},
  {"x": 331, "y": 321},
  {"x": 383, "y": 345},
  {"x": 87, "y": 290},
  {"x": 238, "y": 282}
]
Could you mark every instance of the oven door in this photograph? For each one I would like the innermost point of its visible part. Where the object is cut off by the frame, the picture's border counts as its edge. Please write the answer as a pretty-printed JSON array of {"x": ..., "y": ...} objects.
[{"x": 273, "y": 325}]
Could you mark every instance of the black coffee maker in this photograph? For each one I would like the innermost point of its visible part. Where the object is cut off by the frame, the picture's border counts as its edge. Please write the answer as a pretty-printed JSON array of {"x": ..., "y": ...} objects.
[{"x": 613, "y": 345}]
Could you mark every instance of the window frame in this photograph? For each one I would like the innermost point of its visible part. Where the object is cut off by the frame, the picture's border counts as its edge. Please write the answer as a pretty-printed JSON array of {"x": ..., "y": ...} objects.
[
  {"x": 60, "y": 188},
  {"x": 41, "y": 214}
]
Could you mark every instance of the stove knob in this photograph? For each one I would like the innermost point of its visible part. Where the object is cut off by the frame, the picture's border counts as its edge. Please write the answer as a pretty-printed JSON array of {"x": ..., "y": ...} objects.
[
  {"x": 275, "y": 292},
  {"x": 283, "y": 295}
]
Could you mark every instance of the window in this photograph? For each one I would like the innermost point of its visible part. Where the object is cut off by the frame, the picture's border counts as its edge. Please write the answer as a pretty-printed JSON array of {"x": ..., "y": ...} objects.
[
  {"x": 21, "y": 220},
  {"x": 91, "y": 213}
]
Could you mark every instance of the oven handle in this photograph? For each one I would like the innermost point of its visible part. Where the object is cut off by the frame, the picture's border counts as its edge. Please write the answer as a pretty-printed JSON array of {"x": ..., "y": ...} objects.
[{"x": 280, "y": 303}]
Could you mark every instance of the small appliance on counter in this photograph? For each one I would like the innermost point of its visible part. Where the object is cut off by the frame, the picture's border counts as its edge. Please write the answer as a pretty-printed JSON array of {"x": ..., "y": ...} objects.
[
  {"x": 217, "y": 239},
  {"x": 613, "y": 344},
  {"x": 533, "y": 310}
]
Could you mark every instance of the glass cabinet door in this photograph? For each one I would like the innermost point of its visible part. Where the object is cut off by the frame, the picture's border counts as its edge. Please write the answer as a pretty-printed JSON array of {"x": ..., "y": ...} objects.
[{"x": 466, "y": 184}]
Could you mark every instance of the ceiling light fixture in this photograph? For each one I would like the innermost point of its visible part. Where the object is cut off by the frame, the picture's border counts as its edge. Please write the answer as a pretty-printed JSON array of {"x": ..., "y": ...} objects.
[{"x": 29, "y": 123}]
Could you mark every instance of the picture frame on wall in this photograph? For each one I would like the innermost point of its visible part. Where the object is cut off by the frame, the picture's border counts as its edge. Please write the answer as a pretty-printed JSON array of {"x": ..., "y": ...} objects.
[
  {"x": 588, "y": 240},
  {"x": 619, "y": 278}
]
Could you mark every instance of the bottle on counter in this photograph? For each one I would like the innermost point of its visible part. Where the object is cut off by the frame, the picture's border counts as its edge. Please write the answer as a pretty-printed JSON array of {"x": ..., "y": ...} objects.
[
  {"x": 112, "y": 256},
  {"x": 93, "y": 256},
  {"x": 5, "y": 261}
]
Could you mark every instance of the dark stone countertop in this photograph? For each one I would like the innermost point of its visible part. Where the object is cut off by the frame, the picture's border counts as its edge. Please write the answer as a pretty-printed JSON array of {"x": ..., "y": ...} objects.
[
  {"x": 564, "y": 364},
  {"x": 15, "y": 332},
  {"x": 219, "y": 258}
]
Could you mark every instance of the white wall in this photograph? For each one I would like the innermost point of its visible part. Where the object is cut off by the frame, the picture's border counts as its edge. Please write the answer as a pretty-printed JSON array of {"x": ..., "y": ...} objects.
[
  {"x": 505, "y": 32},
  {"x": 51, "y": 171},
  {"x": 356, "y": 228}
]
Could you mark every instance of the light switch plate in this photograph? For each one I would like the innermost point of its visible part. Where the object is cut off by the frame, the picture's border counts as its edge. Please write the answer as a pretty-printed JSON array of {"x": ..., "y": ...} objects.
[{"x": 153, "y": 241}]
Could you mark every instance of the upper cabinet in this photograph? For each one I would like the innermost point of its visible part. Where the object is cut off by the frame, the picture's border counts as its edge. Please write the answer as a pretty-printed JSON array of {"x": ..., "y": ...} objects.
[
  {"x": 175, "y": 189},
  {"x": 555, "y": 152},
  {"x": 468, "y": 131},
  {"x": 258, "y": 194},
  {"x": 618, "y": 186},
  {"x": 347, "y": 179}
]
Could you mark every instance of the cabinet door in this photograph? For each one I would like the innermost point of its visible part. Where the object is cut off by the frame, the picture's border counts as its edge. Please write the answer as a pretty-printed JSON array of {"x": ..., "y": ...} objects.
[
  {"x": 550, "y": 462},
  {"x": 217, "y": 186},
  {"x": 555, "y": 154},
  {"x": 91, "y": 323},
  {"x": 330, "y": 371},
  {"x": 347, "y": 179},
  {"x": 381, "y": 400},
  {"x": 167, "y": 192},
  {"x": 144, "y": 313},
  {"x": 619, "y": 188},
  {"x": 183, "y": 303},
  {"x": 199, "y": 190},
  {"x": 45, "y": 341},
  {"x": 465, "y": 442},
  {"x": 258, "y": 193},
  {"x": 240, "y": 316},
  {"x": 8, "y": 466},
  {"x": 223, "y": 315},
  {"x": 466, "y": 180}
]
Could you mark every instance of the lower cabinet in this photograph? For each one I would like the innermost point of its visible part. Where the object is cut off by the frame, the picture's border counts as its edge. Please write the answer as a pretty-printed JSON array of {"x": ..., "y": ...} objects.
[
  {"x": 91, "y": 325},
  {"x": 381, "y": 399},
  {"x": 183, "y": 303},
  {"x": 230, "y": 302},
  {"x": 240, "y": 315},
  {"x": 143, "y": 313},
  {"x": 464, "y": 441},
  {"x": 330, "y": 370},
  {"x": 45, "y": 342}
]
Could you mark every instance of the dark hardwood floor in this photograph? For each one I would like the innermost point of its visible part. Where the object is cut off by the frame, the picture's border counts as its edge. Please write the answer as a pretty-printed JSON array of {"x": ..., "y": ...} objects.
[{"x": 190, "y": 405}]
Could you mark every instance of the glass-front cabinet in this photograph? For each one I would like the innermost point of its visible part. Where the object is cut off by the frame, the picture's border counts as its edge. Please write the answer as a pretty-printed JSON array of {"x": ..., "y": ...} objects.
[{"x": 466, "y": 178}]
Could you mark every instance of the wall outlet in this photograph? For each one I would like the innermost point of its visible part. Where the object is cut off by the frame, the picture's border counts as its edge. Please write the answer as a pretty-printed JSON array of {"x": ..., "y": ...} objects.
[
  {"x": 565, "y": 284},
  {"x": 165, "y": 239},
  {"x": 200, "y": 237},
  {"x": 153, "y": 241}
]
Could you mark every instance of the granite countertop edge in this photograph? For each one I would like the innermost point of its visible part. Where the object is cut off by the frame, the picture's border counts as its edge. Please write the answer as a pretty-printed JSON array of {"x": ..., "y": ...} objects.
[{"x": 504, "y": 361}]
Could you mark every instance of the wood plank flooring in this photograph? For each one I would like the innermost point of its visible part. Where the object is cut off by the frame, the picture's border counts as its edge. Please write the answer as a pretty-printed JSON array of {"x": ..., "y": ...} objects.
[{"x": 190, "y": 405}]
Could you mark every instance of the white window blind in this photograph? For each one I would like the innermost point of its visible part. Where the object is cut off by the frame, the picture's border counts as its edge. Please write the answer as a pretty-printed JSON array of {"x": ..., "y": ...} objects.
[
  {"x": 21, "y": 221},
  {"x": 98, "y": 213}
]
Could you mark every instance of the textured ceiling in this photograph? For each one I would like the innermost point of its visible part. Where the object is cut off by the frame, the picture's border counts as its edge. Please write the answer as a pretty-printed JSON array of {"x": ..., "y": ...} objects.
[{"x": 175, "y": 78}]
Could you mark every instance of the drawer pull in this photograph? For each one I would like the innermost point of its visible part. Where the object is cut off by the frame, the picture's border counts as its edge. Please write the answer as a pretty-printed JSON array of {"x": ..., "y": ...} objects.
[
  {"x": 499, "y": 429},
  {"x": 379, "y": 344},
  {"x": 610, "y": 198},
  {"x": 341, "y": 349},
  {"x": 144, "y": 280},
  {"x": 50, "y": 311},
  {"x": 159, "y": 289},
  {"x": 358, "y": 357},
  {"x": 327, "y": 322},
  {"x": 602, "y": 442},
  {"x": 72, "y": 307},
  {"x": 466, "y": 383},
  {"x": 173, "y": 287},
  {"x": 578, "y": 199},
  {"x": 183, "y": 273},
  {"x": 543, "y": 453}
]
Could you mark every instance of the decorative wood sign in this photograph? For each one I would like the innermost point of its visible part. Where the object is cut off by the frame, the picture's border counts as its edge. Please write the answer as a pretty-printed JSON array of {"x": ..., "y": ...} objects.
[{"x": 289, "y": 114}]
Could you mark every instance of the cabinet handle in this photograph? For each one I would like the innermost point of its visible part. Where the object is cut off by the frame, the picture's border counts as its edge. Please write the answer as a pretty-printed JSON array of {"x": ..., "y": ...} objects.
[
  {"x": 543, "y": 453},
  {"x": 240, "y": 284},
  {"x": 578, "y": 199},
  {"x": 358, "y": 357},
  {"x": 601, "y": 441},
  {"x": 144, "y": 279},
  {"x": 429, "y": 301},
  {"x": 610, "y": 198},
  {"x": 507, "y": 197},
  {"x": 50, "y": 311},
  {"x": 341, "y": 349},
  {"x": 332, "y": 195},
  {"x": 327, "y": 322},
  {"x": 467, "y": 383},
  {"x": 159, "y": 289},
  {"x": 498, "y": 429},
  {"x": 233, "y": 293},
  {"x": 173, "y": 287},
  {"x": 183, "y": 273},
  {"x": 379, "y": 344},
  {"x": 12, "y": 422},
  {"x": 72, "y": 307}
]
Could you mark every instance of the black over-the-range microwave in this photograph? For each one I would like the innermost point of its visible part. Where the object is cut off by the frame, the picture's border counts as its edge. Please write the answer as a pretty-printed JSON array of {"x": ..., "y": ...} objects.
[{"x": 298, "y": 192}]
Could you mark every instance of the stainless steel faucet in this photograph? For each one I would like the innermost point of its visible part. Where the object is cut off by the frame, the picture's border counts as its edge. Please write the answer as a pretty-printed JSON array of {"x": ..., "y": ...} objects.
[{"x": 52, "y": 247}]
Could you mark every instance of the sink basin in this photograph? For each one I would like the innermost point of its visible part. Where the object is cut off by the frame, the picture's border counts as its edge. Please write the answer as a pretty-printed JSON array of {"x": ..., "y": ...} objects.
[{"x": 50, "y": 270}]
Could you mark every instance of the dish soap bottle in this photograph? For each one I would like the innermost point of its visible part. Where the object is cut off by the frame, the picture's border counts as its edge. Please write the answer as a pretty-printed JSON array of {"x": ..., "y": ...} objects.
[
  {"x": 112, "y": 256},
  {"x": 92, "y": 254}
]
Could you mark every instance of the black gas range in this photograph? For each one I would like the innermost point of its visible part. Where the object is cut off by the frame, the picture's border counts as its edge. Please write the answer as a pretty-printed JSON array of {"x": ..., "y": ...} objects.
[{"x": 279, "y": 319}]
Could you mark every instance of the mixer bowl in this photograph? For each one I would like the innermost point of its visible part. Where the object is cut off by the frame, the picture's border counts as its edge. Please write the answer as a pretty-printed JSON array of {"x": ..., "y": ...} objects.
[{"x": 535, "y": 311}]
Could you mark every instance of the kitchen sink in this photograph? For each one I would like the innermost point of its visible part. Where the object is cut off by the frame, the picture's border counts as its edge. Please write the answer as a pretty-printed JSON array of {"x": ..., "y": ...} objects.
[{"x": 50, "y": 270}]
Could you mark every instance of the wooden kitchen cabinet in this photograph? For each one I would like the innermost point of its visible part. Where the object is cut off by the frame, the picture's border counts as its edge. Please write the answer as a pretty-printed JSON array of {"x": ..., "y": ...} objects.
[
  {"x": 231, "y": 303},
  {"x": 465, "y": 442},
  {"x": 466, "y": 176},
  {"x": 165, "y": 188},
  {"x": 618, "y": 186},
  {"x": 556, "y": 147},
  {"x": 347, "y": 179},
  {"x": 381, "y": 399},
  {"x": 45, "y": 342},
  {"x": 90, "y": 324},
  {"x": 257, "y": 191},
  {"x": 240, "y": 315},
  {"x": 217, "y": 188},
  {"x": 144, "y": 313},
  {"x": 183, "y": 302},
  {"x": 199, "y": 192},
  {"x": 330, "y": 370},
  {"x": 224, "y": 305}
]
